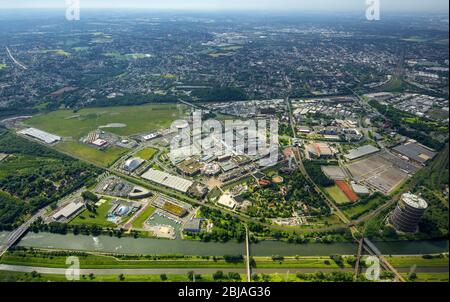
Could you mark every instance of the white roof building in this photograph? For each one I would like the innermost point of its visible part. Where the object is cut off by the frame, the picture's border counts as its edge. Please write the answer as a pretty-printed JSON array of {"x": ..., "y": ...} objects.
[
  {"x": 68, "y": 210},
  {"x": 361, "y": 151},
  {"x": 168, "y": 180},
  {"x": 132, "y": 164},
  {"x": 41, "y": 135},
  {"x": 227, "y": 200},
  {"x": 360, "y": 190}
]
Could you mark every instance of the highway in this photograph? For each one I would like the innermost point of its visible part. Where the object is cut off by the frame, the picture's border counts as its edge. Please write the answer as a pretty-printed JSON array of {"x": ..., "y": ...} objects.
[
  {"x": 14, "y": 60},
  {"x": 183, "y": 271},
  {"x": 247, "y": 258}
]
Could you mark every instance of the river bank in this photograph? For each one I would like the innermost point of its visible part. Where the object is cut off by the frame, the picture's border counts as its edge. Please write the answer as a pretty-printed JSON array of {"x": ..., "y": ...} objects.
[{"x": 106, "y": 244}]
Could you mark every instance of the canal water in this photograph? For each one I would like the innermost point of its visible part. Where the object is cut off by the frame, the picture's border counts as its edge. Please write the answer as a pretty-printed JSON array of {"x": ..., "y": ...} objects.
[{"x": 183, "y": 247}]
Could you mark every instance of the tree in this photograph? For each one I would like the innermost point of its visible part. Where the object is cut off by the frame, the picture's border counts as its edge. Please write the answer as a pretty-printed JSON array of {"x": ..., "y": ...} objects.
[
  {"x": 89, "y": 196},
  {"x": 191, "y": 275},
  {"x": 219, "y": 275},
  {"x": 412, "y": 276},
  {"x": 163, "y": 277}
]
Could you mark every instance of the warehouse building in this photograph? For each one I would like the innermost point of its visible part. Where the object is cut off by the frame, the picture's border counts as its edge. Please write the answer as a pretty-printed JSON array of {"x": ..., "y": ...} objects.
[
  {"x": 320, "y": 150},
  {"x": 68, "y": 211},
  {"x": 41, "y": 135},
  {"x": 415, "y": 152},
  {"x": 361, "y": 152},
  {"x": 359, "y": 189},
  {"x": 132, "y": 164},
  {"x": 193, "y": 225},
  {"x": 168, "y": 180}
]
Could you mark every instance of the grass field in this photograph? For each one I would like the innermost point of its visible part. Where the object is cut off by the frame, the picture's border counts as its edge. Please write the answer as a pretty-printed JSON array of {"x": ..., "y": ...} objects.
[
  {"x": 147, "y": 153},
  {"x": 75, "y": 125},
  {"x": 338, "y": 196},
  {"x": 28, "y": 277},
  {"x": 138, "y": 119},
  {"x": 103, "y": 158},
  {"x": 430, "y": 277},
  {"x": 99, "y": 218},
  {"x": 51, "y": 259},
  {"x": 419, "y": 261},
  {"x": 360, "y": 209},
  {"x": 138, "y": 223}
]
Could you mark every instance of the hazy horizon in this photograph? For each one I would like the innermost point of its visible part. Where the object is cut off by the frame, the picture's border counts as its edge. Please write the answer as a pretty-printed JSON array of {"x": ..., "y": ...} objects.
[{"x": 432, "y": 6}]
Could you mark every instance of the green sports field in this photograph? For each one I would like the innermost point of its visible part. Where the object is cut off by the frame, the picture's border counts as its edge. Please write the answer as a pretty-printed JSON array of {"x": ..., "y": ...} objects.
[
  {"x": 147, "y": 153},
  {"x": 338, "y": 196},
  {"x": 138, "y": 223}
]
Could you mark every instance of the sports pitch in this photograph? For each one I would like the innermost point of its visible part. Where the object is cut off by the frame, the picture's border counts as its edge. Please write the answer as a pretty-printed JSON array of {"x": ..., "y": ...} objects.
[{"x": 338, "y": 196}]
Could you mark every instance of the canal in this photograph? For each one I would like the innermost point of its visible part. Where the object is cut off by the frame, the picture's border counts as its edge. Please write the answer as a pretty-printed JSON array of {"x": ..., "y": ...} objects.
[{"x": 127, "y": 245}]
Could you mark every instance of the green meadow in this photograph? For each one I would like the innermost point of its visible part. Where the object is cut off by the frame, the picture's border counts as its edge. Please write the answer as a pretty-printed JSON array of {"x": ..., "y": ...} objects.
[
  {"x": 73, "y": 125},
  {"x": 136, "y": 119}
]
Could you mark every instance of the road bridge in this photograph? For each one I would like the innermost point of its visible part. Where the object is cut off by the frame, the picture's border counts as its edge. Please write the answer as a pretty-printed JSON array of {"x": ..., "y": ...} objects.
[{"x": 19, "y": 232}]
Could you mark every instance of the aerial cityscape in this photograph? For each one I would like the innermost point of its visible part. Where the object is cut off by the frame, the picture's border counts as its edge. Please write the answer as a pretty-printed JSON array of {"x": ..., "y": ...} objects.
[{"x": 188, "y": 145}]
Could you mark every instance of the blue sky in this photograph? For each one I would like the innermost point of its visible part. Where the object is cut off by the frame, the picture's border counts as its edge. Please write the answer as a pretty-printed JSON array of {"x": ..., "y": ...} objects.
[{"x": 289, "y": 5}]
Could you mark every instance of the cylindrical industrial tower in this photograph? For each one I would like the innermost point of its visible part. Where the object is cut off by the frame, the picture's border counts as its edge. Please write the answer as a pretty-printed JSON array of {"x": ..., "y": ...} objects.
[{"x": 407, "y": 214}]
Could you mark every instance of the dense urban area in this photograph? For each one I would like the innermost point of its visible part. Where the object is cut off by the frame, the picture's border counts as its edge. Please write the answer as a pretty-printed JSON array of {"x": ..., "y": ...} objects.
[{"x": 89, "y": 111}]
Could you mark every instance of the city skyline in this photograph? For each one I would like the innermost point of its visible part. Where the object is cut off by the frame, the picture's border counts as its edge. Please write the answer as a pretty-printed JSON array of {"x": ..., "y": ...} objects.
[{"x": 261, "y": 5}]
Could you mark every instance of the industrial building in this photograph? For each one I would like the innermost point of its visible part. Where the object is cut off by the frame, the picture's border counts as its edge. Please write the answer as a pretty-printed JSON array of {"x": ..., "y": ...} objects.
[
  {"x": 132, "y": 164},
  {"x": 151, "y": 136},
  {"x": 193, "y": 225},
  {"x": 227, "y": 200},
  {"x": 359, "y": 189},
  {"x": 415, "y": 152},
  {"x": 68, "y": 211},
  {"x": 41, "y": 135},
  {"x": 168, "y": 180},
  {"x": 361, "y": 152},
  {"x": 99, "y": 143},
  {"x": 320, "y": 150},
  {"x": 407, "y": 214}
]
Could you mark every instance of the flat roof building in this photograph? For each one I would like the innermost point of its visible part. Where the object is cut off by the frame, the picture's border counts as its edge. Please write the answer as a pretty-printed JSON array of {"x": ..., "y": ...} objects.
[
  {"x": 151, "y": 136},
  {"x": 320, "y": 150},
  {"x": 361, "y": 152},
  {"x": 168, "y": 180},
  {"x": 99, "y": 143},
  {"x": 227, "y": 200},
  {"x": 68, "y": 211},
  {"x": 41, "y": 135},
  {"x": 416, "y": 152},
  {"x": 360, "y": 190},
  {"x": 193, "y": 225}
]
